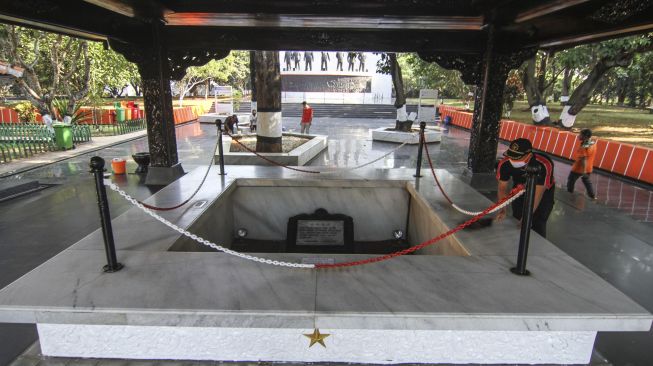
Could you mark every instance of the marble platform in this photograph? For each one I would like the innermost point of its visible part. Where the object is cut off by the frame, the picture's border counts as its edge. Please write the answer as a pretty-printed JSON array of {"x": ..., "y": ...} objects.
[
  {"x": 296, "y": 157},
  {"x": 412, "y": 309},
  {"x": 431, "y": 134},
  {"x": 243, "y": 119}
]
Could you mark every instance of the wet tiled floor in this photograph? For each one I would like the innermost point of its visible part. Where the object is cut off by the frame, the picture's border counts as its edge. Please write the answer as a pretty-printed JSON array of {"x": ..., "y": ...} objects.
[{"x": 612, "y": 236}]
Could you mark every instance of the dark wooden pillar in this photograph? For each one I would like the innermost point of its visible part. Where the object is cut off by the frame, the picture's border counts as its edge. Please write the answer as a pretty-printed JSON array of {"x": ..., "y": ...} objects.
[
  {"x": 155, "y": 74},
  {"x": 488, "y": 104},
  {"x": 252, "y": 79},
  {"x": 158, "y": 66},
  {"x": 488, "y": 71},
  {"x": 268, "y": 97}
]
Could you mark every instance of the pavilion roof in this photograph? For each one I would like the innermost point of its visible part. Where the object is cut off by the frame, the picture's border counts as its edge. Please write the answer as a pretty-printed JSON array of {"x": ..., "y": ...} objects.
[{"x": 452, "y": 26}]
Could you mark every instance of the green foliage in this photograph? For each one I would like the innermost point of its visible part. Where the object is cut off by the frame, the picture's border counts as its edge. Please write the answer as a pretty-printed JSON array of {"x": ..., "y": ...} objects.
[
  {"x": 233, "y": 69},
  {"x": 54, "y": 64},
  {"x": 111, "y": 73},
  {"x": 512, "y": 91},
  {"x": 64, "y": 107},
  {"x": 419, "y": 74},
  {"x": 26, "y": 111}
]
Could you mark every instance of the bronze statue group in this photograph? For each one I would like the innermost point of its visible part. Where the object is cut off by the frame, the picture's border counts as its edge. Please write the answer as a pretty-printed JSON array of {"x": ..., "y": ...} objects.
[{"x": 292, "y": 61}]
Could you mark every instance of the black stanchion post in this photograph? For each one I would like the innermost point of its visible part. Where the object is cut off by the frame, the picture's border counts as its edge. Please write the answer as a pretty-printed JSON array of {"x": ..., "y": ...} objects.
[
  {"x": 418, "y": 170},
  {"x": 97, "y": 168},
  {"x": 218, "y": 124},
  {"x": 526, "y": 221}
]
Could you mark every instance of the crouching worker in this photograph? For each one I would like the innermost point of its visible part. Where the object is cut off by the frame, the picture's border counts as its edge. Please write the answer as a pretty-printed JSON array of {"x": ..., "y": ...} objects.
[{"x": 513, "y": 167}]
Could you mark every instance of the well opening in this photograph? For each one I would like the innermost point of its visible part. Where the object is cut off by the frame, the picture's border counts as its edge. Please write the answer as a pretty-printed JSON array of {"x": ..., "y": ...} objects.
[{"x": 320, "y": 216}]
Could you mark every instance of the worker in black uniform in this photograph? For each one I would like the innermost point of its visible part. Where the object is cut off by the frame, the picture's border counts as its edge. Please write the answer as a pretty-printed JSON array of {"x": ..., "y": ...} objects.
[{"x": 513, "y": 166}]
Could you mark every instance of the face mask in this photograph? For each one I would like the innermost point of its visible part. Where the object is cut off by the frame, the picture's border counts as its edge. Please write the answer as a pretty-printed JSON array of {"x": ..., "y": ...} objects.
[{"x": 518, "y": 164}]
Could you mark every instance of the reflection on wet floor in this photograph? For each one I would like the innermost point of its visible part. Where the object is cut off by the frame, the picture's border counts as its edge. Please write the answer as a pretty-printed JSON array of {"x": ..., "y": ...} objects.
[{"x": 612, "y": 236}]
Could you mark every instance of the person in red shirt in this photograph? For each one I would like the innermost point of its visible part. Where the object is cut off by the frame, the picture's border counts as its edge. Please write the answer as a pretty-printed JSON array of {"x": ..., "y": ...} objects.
[
  {"x": 583, "y": 163},
  {"x": 307, "y": 117}
]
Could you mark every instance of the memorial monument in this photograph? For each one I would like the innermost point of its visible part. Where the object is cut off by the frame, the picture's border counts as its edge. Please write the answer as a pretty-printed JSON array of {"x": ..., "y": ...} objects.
[
  {"x": 330, "y": 84},
  {"x": 445, "y": 303}
]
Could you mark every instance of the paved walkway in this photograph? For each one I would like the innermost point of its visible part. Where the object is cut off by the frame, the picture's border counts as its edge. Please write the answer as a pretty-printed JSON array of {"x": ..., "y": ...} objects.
[{"x": 617, "y": 245}]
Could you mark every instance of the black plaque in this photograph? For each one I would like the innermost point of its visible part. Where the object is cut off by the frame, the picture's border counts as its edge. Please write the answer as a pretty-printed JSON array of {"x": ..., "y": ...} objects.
[{"x": 320, "y": 232}]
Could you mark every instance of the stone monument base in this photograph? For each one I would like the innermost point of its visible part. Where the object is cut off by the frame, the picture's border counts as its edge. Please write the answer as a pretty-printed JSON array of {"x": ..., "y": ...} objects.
[
  {"x": 296, "y": 157},
  {"x": 431, "y": 134}
]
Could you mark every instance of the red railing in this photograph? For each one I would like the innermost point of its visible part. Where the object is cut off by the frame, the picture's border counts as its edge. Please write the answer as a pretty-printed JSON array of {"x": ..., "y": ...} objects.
[{"x": 620, "y": 158}]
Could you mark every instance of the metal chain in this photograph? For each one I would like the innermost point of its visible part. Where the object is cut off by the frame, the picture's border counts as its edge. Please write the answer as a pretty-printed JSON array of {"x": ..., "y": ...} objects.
[
  {"x": 455, "y": 206},
  {"x": 206, "y": 174},
  {"x": 202, "y": 240},
  {"x": 336, "y": 169},
  {"x": 516, "y": 192},
  {"x": 329, "y": 169}
]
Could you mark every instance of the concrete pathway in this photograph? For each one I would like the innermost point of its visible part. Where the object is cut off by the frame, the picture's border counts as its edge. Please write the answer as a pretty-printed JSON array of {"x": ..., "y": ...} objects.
[{"x": 613, "y": 243}]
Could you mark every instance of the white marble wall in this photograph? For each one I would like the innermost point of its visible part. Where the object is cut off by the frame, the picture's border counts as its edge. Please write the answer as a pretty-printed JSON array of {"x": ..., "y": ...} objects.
[
  {"x": 424, "y": 224},
  {"x": 264, "y": 211},
  {"x": 380, "y": 346},
  {"x": 215, "y": 224}
]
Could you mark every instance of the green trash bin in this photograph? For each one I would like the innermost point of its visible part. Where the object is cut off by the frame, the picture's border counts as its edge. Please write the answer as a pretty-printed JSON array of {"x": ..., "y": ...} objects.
[
  {"x": 120, "y": 114},
  {"x": 63, "y": 134}
]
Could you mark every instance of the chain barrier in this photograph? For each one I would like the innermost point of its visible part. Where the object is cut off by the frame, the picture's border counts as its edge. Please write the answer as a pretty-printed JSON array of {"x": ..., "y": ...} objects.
[
  {"x": 336, "y": 169},
  {"x": 455, "y": 206},
  {"x": 200, "y": 240},
  {"x": 208, "y": 168},
  {"x": 516, "y": 192},
  {"x": 331, "y": 169},
  {"x": 270, "y": 160}
]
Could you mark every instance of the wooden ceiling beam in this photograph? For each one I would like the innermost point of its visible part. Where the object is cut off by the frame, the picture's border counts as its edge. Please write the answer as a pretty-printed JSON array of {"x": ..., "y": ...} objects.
[
  {"x": 327, "y": 7},
  {"x": 546, "y": 9},
  {"x": 309, "y": 21},
  {"x": 75, "y": 18},
  {"x": 264, "y": 39},
  {"x": 599, "y": 35},
  {"x": 116, "y": 6}
]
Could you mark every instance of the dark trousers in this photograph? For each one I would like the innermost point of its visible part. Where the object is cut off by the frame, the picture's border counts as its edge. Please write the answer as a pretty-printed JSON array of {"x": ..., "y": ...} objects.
[
  {"x": 540, "y": 216},
  {"x": 571, "y": 182}
]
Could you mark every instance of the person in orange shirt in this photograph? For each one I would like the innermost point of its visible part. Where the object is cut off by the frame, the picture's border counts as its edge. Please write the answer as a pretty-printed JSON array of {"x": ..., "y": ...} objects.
[
  {"x": 583, "y": 163},
  {"x": 307, "y": 117}
]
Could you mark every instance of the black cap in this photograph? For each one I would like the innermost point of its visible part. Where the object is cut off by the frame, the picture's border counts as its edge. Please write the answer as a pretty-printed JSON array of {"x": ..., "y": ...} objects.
[
  {"x": 518, "y": 149},
  {"x": 586, "y": 133}
]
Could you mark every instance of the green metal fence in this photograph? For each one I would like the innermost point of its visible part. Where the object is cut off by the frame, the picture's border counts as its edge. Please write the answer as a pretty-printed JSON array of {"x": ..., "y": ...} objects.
[
  {"x": 118, "y": 128},
  {"x": 81, "y": 133},
  {"x": 22, "y": 140}
]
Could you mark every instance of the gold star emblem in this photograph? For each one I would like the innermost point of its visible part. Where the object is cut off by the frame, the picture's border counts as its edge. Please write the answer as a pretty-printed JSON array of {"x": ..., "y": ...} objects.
[{"x": 316, "y": 337}]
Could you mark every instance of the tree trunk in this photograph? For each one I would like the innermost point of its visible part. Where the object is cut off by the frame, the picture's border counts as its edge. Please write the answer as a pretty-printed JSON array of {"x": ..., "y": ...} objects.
[
  {"x": 567, "y": 77},
  {"x": 207, "y": 86},
  {"x": 583, "y": 93},
  {"x": 268, "y": 96},
  {"x": 402, "y": 122},
  {"x": 539, "y": 111}
]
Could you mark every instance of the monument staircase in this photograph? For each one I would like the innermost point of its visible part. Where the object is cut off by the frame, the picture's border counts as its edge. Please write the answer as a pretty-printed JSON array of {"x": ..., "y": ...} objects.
[{"x": 383, "y": 111}]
